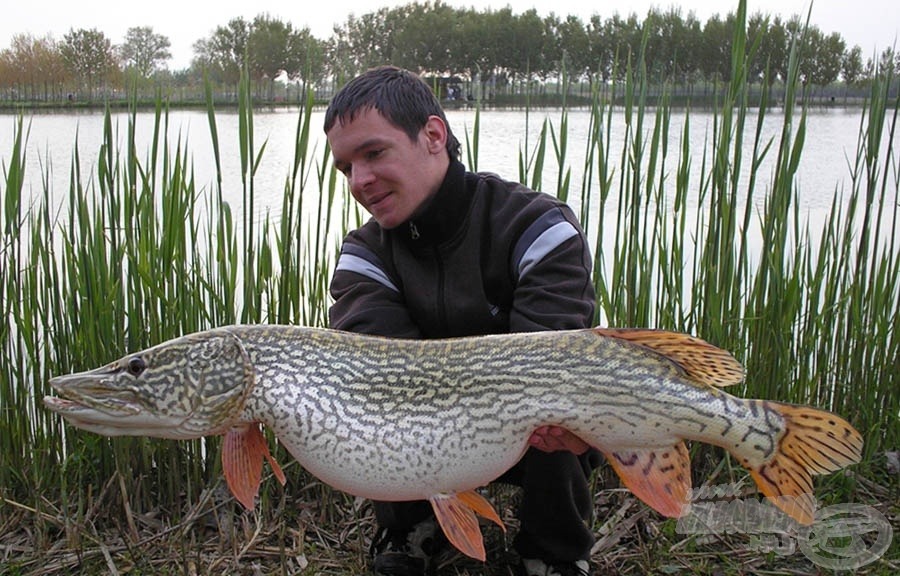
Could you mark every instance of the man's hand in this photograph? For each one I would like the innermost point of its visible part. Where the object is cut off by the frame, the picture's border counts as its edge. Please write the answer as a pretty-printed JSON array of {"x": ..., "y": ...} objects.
[{"x": 553, "y": 438}]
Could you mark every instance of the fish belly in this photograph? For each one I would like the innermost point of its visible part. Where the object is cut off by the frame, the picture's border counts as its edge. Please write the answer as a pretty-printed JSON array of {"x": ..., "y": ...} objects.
[{"x": 399, "y": 461}]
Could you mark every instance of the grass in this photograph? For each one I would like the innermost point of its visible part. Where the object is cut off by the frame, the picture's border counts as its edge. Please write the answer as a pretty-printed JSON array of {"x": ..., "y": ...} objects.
[{"x": 138, "y": 252}]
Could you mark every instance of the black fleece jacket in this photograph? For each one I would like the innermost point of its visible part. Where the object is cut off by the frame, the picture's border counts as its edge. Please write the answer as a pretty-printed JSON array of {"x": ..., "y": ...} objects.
[{"x": 483, "y": 256}]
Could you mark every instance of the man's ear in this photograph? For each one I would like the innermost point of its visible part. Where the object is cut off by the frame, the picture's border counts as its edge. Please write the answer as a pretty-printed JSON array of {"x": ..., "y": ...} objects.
[{"x": 435, "y": 132}]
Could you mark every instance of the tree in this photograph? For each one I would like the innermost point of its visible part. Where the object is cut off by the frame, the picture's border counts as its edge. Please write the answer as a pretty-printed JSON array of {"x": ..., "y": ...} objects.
[
  {"x": 671, "y": 43},
  {"x": 614, "y": 43},
  {"x": 773, "y": 53},
  {"x": 757, "y": 32},
  {"x": 426, "y": 35},
  {"x": 888, "y": 62},
  {"x": 89, "y": 56},
  {"x": 361, "y": 43},
  {"x": 574, "y": 46},
  {"x": 144, "y": 51},
  {"x": 275, "y": 48},
  {"x": 495, "y": 46},
  {"x": 852, "y": 69},
  {"x": 525, "y": 44},
  {"x": 820, "y": 57},
  {"x": 267, "y": 48},
  {"x": 492, "y": 58},
  {"x": 471, "y": 53},
  {"x": 34, "y": 67},
  {"x": 308, "y": 54},
  {"x": 222, "y": 54},
  {"x": 825, "y": 57},
  {"x": 716, "y": 55}
]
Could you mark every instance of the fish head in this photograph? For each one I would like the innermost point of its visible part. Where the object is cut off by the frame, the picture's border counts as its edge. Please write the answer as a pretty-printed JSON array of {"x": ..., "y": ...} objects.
[{"x": 185, "y": 388}]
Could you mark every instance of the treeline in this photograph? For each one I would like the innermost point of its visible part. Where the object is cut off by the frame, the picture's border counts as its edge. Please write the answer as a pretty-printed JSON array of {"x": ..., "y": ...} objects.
[{"x": 497, "y": 48}]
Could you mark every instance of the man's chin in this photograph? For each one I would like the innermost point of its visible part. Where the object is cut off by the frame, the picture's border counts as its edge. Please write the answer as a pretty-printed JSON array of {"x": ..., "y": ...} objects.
[{"x": 388, "y": 220}]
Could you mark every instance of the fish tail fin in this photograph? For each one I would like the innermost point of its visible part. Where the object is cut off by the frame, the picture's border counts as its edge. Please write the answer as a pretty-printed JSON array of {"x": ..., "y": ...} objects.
[
  {"x": 456, "y": 513},
  {"x": 243, "y": 450},
  {"x": 814, "y": 442}
]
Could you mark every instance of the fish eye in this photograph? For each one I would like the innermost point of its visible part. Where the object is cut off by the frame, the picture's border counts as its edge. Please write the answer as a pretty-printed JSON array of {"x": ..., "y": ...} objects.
[{"x": 136, "y": 365}]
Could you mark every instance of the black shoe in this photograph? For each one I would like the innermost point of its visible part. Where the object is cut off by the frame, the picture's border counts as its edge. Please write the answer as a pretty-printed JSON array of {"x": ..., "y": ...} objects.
[
  {"x": 535, "y": 567},
  {"x": 406, "y": 553}
]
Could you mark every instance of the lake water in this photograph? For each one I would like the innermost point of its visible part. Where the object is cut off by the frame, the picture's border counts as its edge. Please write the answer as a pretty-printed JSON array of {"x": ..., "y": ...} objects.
[{"x": 825, "y": 168}]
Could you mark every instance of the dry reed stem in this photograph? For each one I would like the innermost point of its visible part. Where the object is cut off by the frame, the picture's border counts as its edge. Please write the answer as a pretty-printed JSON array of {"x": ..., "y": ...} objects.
[{"x": 331, "y": 538}]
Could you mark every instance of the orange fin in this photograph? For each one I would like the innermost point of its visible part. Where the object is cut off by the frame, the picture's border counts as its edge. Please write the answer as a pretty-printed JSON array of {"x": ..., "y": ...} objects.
[
  {"x": 703, "y": 362},
  {"x": 480, "y": 505},
  {"x": 243, "y": 451},
  {"x": 814, "y": 442},
  {"x": 456, "y": 515},
  {"x": 660, "y": 477}
]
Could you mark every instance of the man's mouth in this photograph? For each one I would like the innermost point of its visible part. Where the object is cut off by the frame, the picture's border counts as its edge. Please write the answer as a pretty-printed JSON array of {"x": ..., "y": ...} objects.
[{"x": 378, "y": 199}]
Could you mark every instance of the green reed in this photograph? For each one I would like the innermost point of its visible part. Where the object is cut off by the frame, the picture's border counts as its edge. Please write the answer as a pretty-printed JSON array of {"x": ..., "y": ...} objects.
[
  {"x": 133, "y": 255},
  {"x": 138, "y": 252},
  {"x": 811, "y": 312}
]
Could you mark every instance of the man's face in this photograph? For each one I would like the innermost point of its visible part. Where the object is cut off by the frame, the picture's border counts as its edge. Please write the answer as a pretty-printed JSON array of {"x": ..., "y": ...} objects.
[{"x": 390, "y": 175}]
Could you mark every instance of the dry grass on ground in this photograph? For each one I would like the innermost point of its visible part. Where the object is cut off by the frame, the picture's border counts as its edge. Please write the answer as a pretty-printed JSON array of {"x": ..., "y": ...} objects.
[{"x": 327, "y": 533}]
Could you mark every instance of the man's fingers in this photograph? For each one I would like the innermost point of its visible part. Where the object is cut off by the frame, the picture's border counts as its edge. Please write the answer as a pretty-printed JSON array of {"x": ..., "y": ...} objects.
[{"x": 554, "y": 438}]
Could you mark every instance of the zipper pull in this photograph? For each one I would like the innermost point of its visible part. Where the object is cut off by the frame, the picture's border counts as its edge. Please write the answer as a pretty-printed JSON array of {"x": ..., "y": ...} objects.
[{"x": 413, "y": 231}]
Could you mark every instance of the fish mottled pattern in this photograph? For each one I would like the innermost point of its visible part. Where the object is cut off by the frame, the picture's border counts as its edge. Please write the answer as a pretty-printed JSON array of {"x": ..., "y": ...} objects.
[
  {"x": 189, "y": 387},
  {"x": 433, "y": 414},
  {"x": 392, "y": 419}
]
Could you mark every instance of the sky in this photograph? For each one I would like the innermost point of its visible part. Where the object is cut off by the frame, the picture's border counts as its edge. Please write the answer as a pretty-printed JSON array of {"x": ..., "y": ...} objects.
[{"x": 871, "y": 24}]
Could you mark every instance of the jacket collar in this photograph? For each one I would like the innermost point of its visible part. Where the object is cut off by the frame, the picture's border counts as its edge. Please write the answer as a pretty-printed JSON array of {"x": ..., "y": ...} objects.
[{"x": 442, "y": 216}]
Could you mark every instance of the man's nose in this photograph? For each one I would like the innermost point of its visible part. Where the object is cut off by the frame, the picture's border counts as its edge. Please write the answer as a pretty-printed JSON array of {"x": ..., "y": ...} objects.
[{"x": 360, "y": 177}]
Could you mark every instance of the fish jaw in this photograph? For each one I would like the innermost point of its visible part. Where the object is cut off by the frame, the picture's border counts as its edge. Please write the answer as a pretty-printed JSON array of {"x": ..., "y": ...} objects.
[
  {"x": 96, "y": 391},
  {"x": 185, "y": 388},
  {"x": 101, "y": 423},
  {"x": 85, "y": 404}
]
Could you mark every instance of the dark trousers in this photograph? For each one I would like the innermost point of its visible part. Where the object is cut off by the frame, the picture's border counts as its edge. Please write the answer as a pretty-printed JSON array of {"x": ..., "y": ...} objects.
[{"x": 555, "y": 513}]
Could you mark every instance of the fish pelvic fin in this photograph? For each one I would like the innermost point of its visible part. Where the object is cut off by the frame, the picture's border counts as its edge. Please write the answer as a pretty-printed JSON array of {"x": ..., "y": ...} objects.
[
  {"x": 814, "y": 442},
  {"x": 456, "y": 513},
  {"x": 243, "y": 450},
  {"x": 660, "y": 477},
  {"x": 701, "y": 361}
]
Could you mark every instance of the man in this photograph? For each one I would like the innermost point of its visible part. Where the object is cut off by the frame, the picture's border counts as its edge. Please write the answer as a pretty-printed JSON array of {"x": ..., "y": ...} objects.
[{"x": 451, "y": 253}]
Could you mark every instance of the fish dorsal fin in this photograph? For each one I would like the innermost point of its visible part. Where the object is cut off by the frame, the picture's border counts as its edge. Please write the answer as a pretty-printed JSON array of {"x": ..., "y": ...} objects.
[
  {"x": 456, "y": 515},
  {"x": 660, "y": 477},
  {"x": 701, "y": 361},
  {"x": 243, "y": 451}
]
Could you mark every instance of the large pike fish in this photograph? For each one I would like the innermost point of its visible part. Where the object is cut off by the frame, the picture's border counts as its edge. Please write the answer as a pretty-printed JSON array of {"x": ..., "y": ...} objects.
[{"x": 391, "y": 419}]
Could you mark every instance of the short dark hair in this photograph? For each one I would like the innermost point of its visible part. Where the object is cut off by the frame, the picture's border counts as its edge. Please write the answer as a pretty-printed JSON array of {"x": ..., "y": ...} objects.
[{"x": 403, "y": 98}]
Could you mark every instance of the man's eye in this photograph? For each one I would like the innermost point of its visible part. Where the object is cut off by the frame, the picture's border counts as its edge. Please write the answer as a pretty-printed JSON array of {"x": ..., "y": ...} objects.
[{"x": 372, "y": 154}]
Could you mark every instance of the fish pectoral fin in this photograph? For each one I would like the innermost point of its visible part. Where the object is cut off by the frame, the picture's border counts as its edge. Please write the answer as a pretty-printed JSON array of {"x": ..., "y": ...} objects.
[
  {"x": 243, "y": 450},
  {"x": 456, "y": 513},
  {"x": 660, "y": 477},
  {"x": 702, "y": 362},
  {"x": 814, "y": 442}
]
